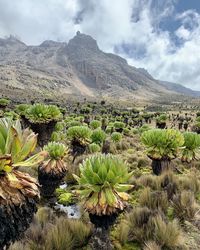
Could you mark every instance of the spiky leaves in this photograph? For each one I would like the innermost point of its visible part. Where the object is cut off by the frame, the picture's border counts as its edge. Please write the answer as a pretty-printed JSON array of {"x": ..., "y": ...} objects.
[
  {"x": 161, "y": 121},
  {"x": 98, "y": 136},
  {"x": 15, "y": 147},
  {"x": 18, "y": 190},
  {"x": 162, "y": 144},
  {"x": 4, "y": 102},
  {"x": 116, "y": 136},
  {"x": 191, "y": 147},
  {"x": 40, "y": 113},
  {"x": 103, "y": 185},
  {"x": 56, "y": 150},
  {"x": 53, "y": 170},
  {"x": 54, "y": 164},
  {"x": 80, "y": 134}
]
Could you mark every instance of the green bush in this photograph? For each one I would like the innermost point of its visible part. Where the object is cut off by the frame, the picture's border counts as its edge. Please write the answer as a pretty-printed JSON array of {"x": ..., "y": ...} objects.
[
  {"x": 56, "y": 150},
  {"x": 126, "y": 131},
  {"x": 95, "y": 124},
  {"x": 40, "y": 113},
  {"x": 116, "y": 136},
  {"x": 98, "y": 136},
  {"x": 79, "y": 133},
  {"x": 22, "y": 108},
  {"x": 162, "y": 143},
  {"x": 73, "y": 123},
  {"x": 103, "y": 185},
  {"x": 191, "y": 146},
  {"x": 94, "y": 148},
  {"x": 4, "y": 102},
  {"x": 144, "y": 128},
  {"x": 162, "y": 118},
  {"x": 119, "y": 125}
]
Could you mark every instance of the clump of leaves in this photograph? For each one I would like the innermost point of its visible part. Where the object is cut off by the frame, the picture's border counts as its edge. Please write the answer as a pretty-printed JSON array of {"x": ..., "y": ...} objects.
[
  {"x": 94, "y": 148},
  {"x": 65, "y": 198},
  {"x": 41, "y": 113},
  {"x": 118, "y": 125},
  {"x": 21, "y": 108},
  {"x": 126, "y": 131},
  {"x": 116, "y": 136},
  {"x": 12, "y": 115},
  {"x": 154, "y": 199},
  {"x": 103, "y": 185},
  {"x": 67, "y": 234},
  {"x": 144, "y": 128},
  {"x": 4, "y": 102},
  {"x": 16, "y": 146},
  {"x": 98, "y": 136},
  {"x": 162, "y": 118},
  {"x": 95, "y": 124},
  {"x": 73, "y": 123},
  {"x": 163, "y": 144},
  {"x": 191, "y": 147},
  {"x": 82, "y": 134},
  {"x": 56, "y": 150}
]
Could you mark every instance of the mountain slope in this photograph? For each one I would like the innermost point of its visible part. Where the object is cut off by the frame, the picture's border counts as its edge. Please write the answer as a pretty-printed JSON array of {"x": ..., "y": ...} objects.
[
  {"x": 78, "y": 68},
  {"x": 180, "y": 89}
]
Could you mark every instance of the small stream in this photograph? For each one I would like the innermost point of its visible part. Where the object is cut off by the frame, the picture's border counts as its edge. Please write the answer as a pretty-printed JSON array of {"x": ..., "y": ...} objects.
[{"x": 72, "y": 211}]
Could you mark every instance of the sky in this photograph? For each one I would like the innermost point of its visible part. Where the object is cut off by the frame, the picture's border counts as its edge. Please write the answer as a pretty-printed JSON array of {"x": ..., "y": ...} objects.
[{"x": 162, "y": 36}]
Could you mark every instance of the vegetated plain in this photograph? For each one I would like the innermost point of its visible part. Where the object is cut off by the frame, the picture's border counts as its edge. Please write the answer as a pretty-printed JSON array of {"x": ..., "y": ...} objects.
[{"x": 98, "y": 175}]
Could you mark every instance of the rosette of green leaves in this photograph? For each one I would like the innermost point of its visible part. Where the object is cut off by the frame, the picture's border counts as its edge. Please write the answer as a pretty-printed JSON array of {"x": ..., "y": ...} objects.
[
  {"x": 116, "y": 136},
  {"x": 4, "y": 102},
  {"x": 191, "y": 148},
  {"x": 95, "y": 124},
  {"x": 94, "y": 148},
  {"x": 162, "y": 118},
  {"x": 163, "y": 144},
  {"x": 103, "y": 184},
  {"x": 41, "y": 113},
  {"x": 98, "y": 136},
  {"x": 56, "y": 150},
  {"x": 22, "y": 108},
  {"x": 118, "y": 125},
  {"x": 82, "y": 134},
  {"x": 16, "y": 146}
]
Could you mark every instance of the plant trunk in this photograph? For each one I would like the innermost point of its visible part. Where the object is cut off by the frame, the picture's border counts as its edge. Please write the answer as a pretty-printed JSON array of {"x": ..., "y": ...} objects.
[
  {"x": 119, "y": 130},
  {"x": 100, "y": 239},
  {"x": 161, "y": 125},
  {"x": 106, "y": 147},
  {"x": 49, "y": 182},
  {"x": 44, "y": 130},
  {"x": 77, "y": 149},
  {"x": 17, "y": 208},
  {"x": 159, "y": 166}
]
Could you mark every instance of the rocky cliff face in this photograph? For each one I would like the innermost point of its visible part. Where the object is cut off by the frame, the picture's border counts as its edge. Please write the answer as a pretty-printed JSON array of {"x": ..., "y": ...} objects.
[{"x": 78, "y": 68}]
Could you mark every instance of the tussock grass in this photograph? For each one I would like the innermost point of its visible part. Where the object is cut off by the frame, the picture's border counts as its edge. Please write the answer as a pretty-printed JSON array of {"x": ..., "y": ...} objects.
[
  {"x": 167, "y": 234},
  {"x": 151, "y": 245},
  {"x": 155, "y": 200},
  {"x": 185, "y": 206}
]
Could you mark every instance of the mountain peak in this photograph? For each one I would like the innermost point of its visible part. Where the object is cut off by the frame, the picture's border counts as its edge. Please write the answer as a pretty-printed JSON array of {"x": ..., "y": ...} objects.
[
  {"x": 11, "y": 40},
  {"x": 83, "y": 41},
  {"x": 77, "y": 68},
  {"x": 50, "y": 43}
]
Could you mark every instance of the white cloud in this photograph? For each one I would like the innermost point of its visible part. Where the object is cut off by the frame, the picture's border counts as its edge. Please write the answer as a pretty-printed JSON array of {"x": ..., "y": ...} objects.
[
  {"x": 113, "y": 23},
  {"x": 36, "y": 21}
]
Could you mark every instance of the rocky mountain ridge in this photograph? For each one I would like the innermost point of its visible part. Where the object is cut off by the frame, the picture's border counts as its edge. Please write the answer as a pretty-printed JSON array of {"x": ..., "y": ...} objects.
[{"x": 77, "y": 68}]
